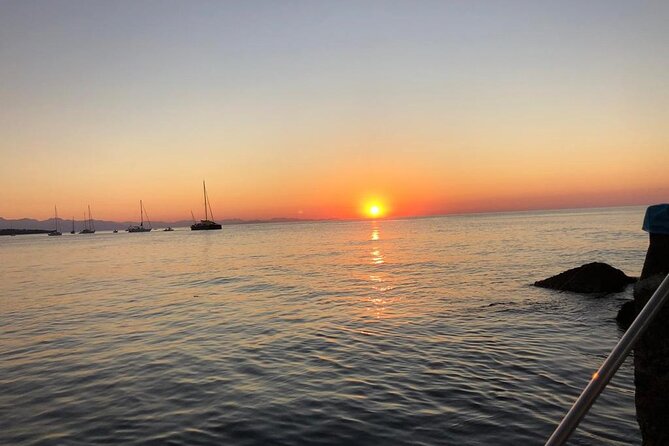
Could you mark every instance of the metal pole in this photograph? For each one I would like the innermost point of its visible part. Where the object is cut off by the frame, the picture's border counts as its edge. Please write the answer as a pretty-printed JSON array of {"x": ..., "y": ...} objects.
[{"x": 602, "y": 376}]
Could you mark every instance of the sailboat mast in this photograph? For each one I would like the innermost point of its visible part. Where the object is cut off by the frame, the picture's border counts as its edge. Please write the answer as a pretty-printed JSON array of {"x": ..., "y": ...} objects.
[
  {"x": 141, "y": 214},
  {"x": 204, "y": 188},
  {"x": 55, "y": 210},
  {"x": 211, "y": 213},
  {"x": 90, "y": 218},
  {"x": 147, "y": 216}
]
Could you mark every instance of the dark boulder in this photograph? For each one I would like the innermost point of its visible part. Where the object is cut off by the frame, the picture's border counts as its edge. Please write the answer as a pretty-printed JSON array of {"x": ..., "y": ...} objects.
[
  {"x": 626, "y": 314},
  {"x": 593, "y": 277}
]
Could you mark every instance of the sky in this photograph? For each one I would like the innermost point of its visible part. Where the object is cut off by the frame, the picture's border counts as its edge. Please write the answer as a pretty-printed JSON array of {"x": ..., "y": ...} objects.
[{"x": 315, "y": 109}]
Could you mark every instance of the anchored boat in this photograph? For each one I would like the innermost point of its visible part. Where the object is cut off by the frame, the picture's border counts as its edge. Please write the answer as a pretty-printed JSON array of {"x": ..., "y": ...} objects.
[
  {"x": 55, "y": 231},
  {"x": 89, "y": 226},
  {"x": 141, "y": 227},
  {"x": 206, "y": 224}
]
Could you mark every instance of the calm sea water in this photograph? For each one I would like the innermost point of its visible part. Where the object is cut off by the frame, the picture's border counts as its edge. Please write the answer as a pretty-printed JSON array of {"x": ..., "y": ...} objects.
[{"x": 421, "y": 332}]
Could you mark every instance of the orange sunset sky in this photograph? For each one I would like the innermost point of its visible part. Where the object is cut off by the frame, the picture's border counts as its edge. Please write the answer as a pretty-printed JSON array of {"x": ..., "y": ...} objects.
[{"x": 315, "y": 109}]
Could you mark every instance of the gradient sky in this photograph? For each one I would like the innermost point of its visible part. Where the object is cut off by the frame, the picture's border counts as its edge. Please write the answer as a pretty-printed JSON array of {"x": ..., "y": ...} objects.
[{"x": 310, "y": 109}]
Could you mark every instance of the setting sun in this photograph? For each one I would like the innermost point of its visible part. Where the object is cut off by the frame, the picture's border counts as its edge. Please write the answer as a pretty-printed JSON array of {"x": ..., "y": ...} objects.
[{"x": 374, "y": 206}]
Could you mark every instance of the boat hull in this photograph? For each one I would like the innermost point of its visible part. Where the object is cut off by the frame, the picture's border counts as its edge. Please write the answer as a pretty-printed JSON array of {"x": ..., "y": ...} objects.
[
  {"x": 138, "y": 229},
  {"x": 205, "y": 227}
]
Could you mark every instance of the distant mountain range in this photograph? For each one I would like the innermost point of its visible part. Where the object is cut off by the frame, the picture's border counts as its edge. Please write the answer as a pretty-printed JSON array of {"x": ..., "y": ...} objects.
[{"x": 106, "y": 225}]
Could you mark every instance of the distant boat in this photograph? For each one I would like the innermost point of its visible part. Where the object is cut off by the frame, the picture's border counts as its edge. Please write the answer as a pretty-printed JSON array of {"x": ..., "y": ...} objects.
[
  {"x": 56, "y": 231},
  {"x": 168, "y": 229},
  {"x": 206, "y": 224},
  {"x": 141, "y": 227},
  {"x": 89, "y": 226},
  {"x": 72, "y": 231},
  {"x": 115, "y": 231}
]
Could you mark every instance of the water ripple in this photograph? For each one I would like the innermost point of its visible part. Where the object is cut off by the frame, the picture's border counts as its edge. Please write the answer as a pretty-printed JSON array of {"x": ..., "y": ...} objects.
[{"x": 417, "y": 332}]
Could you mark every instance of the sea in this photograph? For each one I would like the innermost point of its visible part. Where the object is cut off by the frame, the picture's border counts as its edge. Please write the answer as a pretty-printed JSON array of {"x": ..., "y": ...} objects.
[{"x": 423, "y": 331}]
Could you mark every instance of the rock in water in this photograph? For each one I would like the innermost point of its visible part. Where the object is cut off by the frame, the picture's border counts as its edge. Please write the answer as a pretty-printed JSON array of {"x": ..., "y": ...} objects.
[
  {"x": 595, "y": 277},
  {"x": 626, "y": 314}
]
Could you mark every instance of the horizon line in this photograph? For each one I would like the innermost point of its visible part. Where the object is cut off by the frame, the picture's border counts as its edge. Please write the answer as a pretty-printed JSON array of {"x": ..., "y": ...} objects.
[{"x": 237, "y": 220}]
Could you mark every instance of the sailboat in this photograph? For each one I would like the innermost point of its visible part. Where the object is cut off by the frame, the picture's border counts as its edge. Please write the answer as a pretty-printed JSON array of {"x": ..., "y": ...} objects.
[
  {"x": 55, "y": 231},
  {"x": 141, "y": 227},
  {"x": 89, "y": 226},
  {"x": 72, "y": 231},
  {"x": 206, "y": 224}
]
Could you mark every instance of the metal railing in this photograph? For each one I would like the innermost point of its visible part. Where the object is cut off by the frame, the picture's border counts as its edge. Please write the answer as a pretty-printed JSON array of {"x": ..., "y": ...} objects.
[{"x": 602, "y": 376}]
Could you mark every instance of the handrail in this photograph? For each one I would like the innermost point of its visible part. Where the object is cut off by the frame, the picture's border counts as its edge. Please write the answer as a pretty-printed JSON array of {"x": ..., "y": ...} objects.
[{"x": 602, "y": 376}]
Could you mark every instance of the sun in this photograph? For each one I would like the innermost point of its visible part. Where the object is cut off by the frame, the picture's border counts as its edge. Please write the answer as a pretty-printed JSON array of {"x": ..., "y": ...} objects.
[
  {"x": 373, "y": 207},
  {"x": 374, "y": 210}
]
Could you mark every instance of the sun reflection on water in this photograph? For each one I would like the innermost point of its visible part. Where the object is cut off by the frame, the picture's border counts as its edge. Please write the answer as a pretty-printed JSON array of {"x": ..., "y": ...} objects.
[
  {"x": 378, "y": 278},
  {"x": 377, "y": 257}
]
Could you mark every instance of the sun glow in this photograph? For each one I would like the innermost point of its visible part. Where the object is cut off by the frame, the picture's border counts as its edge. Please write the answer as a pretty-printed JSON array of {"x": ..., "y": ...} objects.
[
  {"x": 373, "y": 207},
  {"x": 374, "y": 210}
]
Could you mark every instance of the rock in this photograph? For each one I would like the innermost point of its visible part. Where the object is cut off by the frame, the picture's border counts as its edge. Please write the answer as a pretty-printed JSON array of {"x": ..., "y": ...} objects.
[
  {"x": 593, "y": 277},
  {"x": 626, "y": 314}
]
